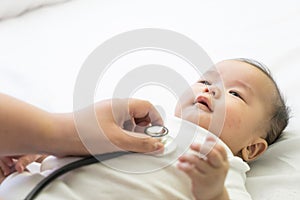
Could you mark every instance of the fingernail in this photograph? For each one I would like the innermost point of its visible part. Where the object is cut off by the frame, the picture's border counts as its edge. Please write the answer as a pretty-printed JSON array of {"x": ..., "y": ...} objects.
[
  {"x": 210, "y": 138},
  {"x": 184, "y": 165}
]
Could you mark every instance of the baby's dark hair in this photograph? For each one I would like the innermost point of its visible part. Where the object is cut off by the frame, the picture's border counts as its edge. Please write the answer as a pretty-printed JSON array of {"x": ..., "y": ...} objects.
[{"x": 280, "y": 113}]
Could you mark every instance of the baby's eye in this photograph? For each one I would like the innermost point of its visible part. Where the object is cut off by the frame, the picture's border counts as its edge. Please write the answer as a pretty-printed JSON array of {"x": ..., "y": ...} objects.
[
  {"x": 234, "y": 93},
  {"x": 204, "y": 82}
]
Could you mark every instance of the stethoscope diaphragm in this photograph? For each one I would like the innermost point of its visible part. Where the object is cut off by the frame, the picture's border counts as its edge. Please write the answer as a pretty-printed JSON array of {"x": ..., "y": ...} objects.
[
  {"x": 161, "y": 132},
  {"x": 156, "y": 131}
]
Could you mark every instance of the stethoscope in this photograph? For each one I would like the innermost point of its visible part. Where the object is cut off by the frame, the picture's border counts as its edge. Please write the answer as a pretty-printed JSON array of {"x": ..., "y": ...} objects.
[{"x": 156, "y": 131}]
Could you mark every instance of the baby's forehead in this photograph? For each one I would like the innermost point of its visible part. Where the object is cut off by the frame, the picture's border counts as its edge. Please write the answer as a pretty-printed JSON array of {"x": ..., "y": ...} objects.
[
  {"x": 212, "y": 72},
  {"x": 231, "y": 71},
  {"x": 235, "y": 69}
]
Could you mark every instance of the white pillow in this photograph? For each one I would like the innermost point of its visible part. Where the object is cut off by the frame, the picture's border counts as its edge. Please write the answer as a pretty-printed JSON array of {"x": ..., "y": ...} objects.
[
  {"x": 276, "y": 175},
  {"x": 12, "y": 8}
]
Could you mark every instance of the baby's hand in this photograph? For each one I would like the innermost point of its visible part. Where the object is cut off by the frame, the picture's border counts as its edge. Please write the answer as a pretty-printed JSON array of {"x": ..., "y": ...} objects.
[
  {"x": 6, "y": 166},
  {"x": 10, "y": 164},
  {"x": 207, "y": 174}
]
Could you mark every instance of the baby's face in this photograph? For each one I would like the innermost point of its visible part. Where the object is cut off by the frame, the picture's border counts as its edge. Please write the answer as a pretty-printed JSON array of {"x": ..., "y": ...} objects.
[{"x": 239, "y": 90}]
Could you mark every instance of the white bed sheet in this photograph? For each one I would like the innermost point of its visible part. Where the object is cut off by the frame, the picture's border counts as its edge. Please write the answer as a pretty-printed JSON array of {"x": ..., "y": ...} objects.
[
  {"x": 42, "y": 51},
  {"x": 13, "y": 8}
]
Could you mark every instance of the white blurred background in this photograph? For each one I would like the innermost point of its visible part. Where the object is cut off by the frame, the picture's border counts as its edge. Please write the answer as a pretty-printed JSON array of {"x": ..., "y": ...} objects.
[{"x": 42, "y": 51}]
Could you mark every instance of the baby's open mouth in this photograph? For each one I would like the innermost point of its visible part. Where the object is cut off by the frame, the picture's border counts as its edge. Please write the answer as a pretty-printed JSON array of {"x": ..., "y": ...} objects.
[{"x": 203, "y": 103}]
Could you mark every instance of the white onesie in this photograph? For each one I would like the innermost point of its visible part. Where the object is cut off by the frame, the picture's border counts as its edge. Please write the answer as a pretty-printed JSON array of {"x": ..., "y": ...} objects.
[{"x": 134, "y": 176}]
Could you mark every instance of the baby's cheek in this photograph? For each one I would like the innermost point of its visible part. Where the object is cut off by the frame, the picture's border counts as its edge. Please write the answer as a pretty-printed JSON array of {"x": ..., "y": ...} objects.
[
  {"x": 177, "y": 111},
  {"x": 233, "y": 119}
]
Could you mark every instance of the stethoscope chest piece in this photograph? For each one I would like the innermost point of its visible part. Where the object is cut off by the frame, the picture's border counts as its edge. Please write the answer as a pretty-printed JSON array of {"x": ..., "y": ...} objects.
[
  {"x": 156, "y": 131},
  {"x": 162, "y": 133}
]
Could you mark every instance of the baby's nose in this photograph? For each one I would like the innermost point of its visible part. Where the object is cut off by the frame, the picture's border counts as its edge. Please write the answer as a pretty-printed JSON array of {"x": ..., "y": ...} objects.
[{"x": 214, "y": 91}]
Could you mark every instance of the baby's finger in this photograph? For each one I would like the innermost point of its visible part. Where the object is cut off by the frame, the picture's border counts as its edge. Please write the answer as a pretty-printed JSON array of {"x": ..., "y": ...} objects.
[
  {"x": 5, "y": 169},
  {"x": 205, "y": 148},
  {"x": 215, "y": 157},
  {"x": 2, "y": 177},
  {"x": 215, "y": 153},
  {"x": 222, "y": 151},
  {"x": 41, "y": 158},
  {"x": 201, "y": 165},
  {"x": 185, "y": 166},
  {"x": 189, "y": 169},
  {"x": 196, "y": 147},
  {"x": 8, "y": 161},
  {"x": 24, "y": 161}
]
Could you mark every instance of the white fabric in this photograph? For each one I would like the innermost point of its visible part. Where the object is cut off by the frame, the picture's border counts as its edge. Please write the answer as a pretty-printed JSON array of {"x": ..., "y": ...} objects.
[
  {"x": 13, "y": 8},
  {"x": 132, "y": 176},
  {"x": 42, "y": 51},
  {"x": 277, "y": 168}
]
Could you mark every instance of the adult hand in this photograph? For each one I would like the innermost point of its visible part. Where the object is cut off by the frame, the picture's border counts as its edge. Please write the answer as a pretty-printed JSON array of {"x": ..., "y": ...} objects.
[
  {"x": 113, "y": 125},
  {"x": 122, "y": 117},
  {"x": 100, "y": 128}
]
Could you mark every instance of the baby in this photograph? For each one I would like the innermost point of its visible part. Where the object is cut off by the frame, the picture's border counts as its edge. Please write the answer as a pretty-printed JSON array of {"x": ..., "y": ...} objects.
[{"x": 255, "y": 116}]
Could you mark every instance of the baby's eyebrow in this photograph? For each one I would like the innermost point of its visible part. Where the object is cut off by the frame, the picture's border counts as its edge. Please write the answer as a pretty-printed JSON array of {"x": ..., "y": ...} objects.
[{"x": 243, "y": 85}]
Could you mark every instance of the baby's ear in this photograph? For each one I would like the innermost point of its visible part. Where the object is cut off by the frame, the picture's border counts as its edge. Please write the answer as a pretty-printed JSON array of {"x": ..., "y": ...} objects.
[{"x": 254, "y": 150}]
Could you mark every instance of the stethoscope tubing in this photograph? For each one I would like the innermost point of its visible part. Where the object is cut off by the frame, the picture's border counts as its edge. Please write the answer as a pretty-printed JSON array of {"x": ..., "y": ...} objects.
[
  {"x": 71, "y": 166},
  {"x": 90, "y": 160}
]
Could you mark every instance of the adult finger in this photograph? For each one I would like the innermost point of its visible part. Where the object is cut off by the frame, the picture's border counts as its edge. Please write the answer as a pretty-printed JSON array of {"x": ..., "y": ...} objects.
[
  {"x": 136, "y": 142},
  {"x": 140, "y": 109}
]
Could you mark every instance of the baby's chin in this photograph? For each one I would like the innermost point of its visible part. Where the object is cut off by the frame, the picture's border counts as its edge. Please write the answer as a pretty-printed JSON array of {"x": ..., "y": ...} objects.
[{"x": 198, "y": 118}]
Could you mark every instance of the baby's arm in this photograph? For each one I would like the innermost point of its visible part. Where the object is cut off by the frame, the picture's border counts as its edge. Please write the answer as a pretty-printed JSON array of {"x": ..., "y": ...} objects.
[
  {"x": 207, "y": 175},
  {"x": 10, "y": 164}
]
